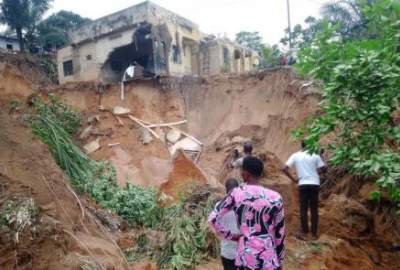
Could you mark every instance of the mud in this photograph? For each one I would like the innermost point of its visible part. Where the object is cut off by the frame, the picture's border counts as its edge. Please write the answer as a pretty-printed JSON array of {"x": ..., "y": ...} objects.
[
  {"x": 222, "y": 112},
  {"x": 66, "y": 232}
]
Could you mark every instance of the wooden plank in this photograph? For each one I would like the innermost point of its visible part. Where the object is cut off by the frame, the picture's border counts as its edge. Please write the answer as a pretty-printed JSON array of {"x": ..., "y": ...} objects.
[
  {"x": 168, "y": 124},
  {"x": 144, "y": 126},
  {"x": 119, "y": 120},
  {"x": 187, "y": 135},
  {"x": 113, "y": 144},
  {"x": 140, "y": 120}
]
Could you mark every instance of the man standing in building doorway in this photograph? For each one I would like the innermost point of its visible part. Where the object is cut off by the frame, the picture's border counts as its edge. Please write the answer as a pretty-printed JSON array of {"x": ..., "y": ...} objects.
[{"x": 307, "y": 167}]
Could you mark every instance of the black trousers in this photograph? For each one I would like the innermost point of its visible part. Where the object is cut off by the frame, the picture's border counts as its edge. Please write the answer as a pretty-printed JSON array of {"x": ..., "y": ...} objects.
[
  {"x": 228, "y": 264},
  {"x": 309, "y": 199}
]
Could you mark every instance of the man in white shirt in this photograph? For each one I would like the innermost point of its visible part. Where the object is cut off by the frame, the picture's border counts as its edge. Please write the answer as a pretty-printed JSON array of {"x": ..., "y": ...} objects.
[
  {"x": 229, "y": 221},
  {"x": 307, "y": 168}
]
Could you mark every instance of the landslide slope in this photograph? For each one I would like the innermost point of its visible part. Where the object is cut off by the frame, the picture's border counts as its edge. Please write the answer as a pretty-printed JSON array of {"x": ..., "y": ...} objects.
[{"x": 65, "y": 235}]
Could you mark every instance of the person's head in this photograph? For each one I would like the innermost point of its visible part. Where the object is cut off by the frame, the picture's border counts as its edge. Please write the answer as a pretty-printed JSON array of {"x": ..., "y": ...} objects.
[
  {"x": 248, "y": 148},
  {"x": 230, "y": 184},
  {"x": 252, "y": 168}
]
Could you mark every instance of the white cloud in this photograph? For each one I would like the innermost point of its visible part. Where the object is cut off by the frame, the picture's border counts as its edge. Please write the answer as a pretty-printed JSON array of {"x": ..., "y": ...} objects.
[{"x": 213, "y": 16}]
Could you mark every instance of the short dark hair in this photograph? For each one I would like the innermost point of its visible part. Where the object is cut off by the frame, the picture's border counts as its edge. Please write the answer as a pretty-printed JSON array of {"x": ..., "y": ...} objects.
[
  {"x": 248, "y": 147},
  {"x": 253, "y": 165},
  {"x": 230, "y": 184}
]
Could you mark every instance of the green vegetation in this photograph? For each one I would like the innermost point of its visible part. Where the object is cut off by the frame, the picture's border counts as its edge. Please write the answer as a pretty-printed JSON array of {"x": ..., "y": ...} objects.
[
  {"x": 57, "y": 111},
  {"x": 54, "y": 124},
  {"x": 347, "y": 15},
  {"x": 253, "y": 40},
  {"x": 188, "y": 240},
  {"x": 18, "y": 216},
  {"x": 52, "y": 33},
  {"x": 23, "y": 15},
  {"x": 361, "y": 95}
]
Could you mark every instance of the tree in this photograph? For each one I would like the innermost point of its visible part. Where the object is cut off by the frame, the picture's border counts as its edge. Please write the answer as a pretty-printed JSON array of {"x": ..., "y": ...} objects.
[
  {"x": 251, "y": 40},
  {"x": 22, "y": 15},
  {"x": 53, "y": 32},
  {"x": 360, "y": 96},
  {"x": 302, "y": 36},
  {"x": 347, "y": 15},
  {"x": 270, "y": 56},
  {"x": 350, "y": 16}
]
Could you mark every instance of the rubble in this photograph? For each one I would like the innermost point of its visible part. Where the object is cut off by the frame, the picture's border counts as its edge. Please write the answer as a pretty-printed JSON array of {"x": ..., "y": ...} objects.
[
  {"x": 121, "y": 111},
  {"x": 92, "y": 146},
  {"x": 173, "y": 136},
  {"x": 86, "y": 133},
  {"x": 186, "y": 144},
  {"x": 145, "y": 136},
  {"x": 93, "y": 119}
]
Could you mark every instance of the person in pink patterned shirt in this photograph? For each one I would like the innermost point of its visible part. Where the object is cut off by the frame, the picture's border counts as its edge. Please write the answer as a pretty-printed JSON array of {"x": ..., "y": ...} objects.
[{"x": 260, "y": 216}]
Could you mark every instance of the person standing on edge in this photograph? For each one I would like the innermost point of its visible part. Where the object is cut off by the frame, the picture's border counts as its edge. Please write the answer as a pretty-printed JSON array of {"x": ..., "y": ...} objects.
[
  {"x": 307, "y": 167},
  {"x": 260, "y": 216},
  {"x": 229, "y": 247},
  {"x": 237, "y": 161}
]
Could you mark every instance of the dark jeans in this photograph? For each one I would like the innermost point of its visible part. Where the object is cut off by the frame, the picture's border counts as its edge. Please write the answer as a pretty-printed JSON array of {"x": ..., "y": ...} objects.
[
  {"x": 228, "y": 264},
  {"x": 309, "y": 199}
]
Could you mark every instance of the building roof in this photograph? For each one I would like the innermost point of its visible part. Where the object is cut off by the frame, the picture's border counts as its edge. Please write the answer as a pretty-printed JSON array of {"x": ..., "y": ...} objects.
[
  {"x": 124, "y": 19},
  {"x": 8, "y": 37}
]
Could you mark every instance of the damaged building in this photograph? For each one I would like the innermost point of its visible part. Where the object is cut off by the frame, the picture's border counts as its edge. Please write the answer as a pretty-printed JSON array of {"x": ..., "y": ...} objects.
[{"x": 160, "y": 41}]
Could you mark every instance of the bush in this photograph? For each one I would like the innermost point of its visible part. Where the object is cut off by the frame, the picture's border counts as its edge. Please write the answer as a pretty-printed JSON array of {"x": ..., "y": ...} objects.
[
  {"x": 62, "y": 114},
  {"x": 361, "y": 80}
]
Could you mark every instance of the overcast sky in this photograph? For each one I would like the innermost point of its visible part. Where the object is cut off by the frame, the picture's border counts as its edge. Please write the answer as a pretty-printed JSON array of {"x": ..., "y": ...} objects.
[{"x": 213, "y": 16}]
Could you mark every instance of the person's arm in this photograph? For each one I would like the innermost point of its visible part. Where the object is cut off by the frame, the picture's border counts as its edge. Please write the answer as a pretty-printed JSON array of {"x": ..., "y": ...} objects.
[
  {"x": 286, "y": 169},
  {"x": 214, "y": 219},
  {"x": 280, "y": 233},
  {"x": 321, "y": 165}
]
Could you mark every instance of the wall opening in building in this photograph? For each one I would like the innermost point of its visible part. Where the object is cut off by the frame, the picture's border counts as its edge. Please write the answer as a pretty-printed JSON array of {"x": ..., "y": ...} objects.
[
  {"x": 68, "y": 67},
  {"x": 10, "y": 47},
  {"x": 176, "y": 54},
  {"x": 139, "y": 52},
  {"x": 227, "y": 59},
  {"x": 237, "y": 54}
]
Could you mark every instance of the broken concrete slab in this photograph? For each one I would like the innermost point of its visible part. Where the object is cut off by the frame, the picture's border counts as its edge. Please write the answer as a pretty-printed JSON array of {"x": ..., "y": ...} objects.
[
  {"x": 86, "y": 133},
  {"x": 93, "y": 119},
  {"x": 186, "y": 144},
  {"x": 121, "y": 110},
  {"x": 173, "y": 136},
  {"x": 145, "y": 136},
  {"x": 239, "y": 139},
  {"x": 92, "y": 146}
]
